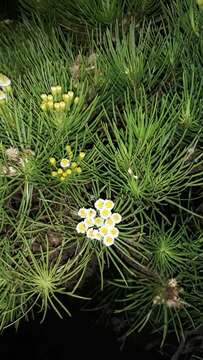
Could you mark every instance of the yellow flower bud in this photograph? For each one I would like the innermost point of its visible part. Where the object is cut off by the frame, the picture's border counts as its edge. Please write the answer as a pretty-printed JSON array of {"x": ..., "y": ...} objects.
[
  {"x": 54, "y": 173},
  {"x": 74, "y": 165},
  {"x": 62, "y": 178},
  {"x": 68, "y": 148},
  {"x": 78, "y": 169},
  {"x": 60, "y": 171},
  {"x": 44, "y": 97},
  {"x": 50, "y": 97},
  {"x": 66, "y": 98},
  {"x": 57, "y": 106},
  {"x": 58, "y": 89},
  {"x": 54, "y": 90},
  {"x": 71, "y": 94},
  {"x": 50, "y": 104},
  {"x": 62, "y": 105},
  {"x": 68, "y": 172},
  {"x": 43, "y": 106},
  {"x": 52, "y": 161},
  {"x": 81, "y": 155},
  {"x": 76, "y": 100}
]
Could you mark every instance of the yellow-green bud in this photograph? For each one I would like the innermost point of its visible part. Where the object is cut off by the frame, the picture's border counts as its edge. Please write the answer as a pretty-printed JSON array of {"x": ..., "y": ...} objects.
[
  {"x": 43, "y": 106},
  {"x": 54, "y": 173},
  {"x": 44, "y": 97},
  {"x": 68, "y": 172},
  {"x": 76, "y": 100},
  {"x": 68, "y": 148},
  {"x": 60, "y": 171},
  {"x": 81, "y": 155},
  {"x": 74, "y": 165},
  {"x": 58, "y": 89},
  {"x": 54, "y": 90},
  {"x": 50, "y": 104},
  {"x": 78, "y": 169},
  {"x": 52, "y": 161},
  {"x": 50, "y": 97},
  {"x": 57, "y": 106},
  {"x": 62, "y": 105}
]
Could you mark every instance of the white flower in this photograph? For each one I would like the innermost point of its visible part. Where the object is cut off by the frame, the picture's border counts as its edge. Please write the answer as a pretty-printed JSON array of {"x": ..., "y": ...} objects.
[
  {"x": 83, "y": 212},
  {"x": 108, "y": 240},
  {"x": 97, "y": 235},
  {"x": 99, "y": 221},
  {"x": 89, "y": 222},
  {"x": 81, "y": 228},
  {"x": 114, "y": 232},
  {"x": 65, "y": 163},
  {"x": 110, "y": 222},
  {"x": 108, "y": 204},
  {"x": 105, "y": 213},
  {"x": 91, "y": 213},
  {"x": 104, "y": 230},
  {"x": 116, "y": 217},
  {"x": 90, "y": 233},
  {"x": 99, "y": 204}
]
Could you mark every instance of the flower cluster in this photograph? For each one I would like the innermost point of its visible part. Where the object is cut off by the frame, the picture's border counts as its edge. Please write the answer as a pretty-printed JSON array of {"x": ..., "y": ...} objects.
[
  {"x": 100, "y": 224},
  {"x": 57, "y": 100},
  {"x": 5, "y": 88},
  {"x": 15, "y": 160},
  {"x": 66, "y": 166}
]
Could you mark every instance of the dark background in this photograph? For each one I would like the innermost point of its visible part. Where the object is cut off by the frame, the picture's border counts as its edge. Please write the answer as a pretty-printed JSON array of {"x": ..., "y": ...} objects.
[{"x": 80, "y": 335}]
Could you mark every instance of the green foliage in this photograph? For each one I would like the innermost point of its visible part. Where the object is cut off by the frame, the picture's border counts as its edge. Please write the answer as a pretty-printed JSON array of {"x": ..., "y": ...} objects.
[{"x": 127, "y": 96}]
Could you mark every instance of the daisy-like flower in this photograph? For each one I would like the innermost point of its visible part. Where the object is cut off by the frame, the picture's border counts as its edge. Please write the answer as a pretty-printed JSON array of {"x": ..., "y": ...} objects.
[
  {"x": 91, "y": 213},
  {"x": 114, "y": 232},
  {"x": 97, "y": 235},
  {"x": 105, "y": 213},
  {"x": 83, "y": 213},
  {"x": 104, "y": 230},
  {"x": 4, "y": 81},
  {"x": 81, "y": 228},
  {"x": 108, "y": 204},
  {"x": 110, "y": 222},
  {"x": 99, "y": 221},
  {"x": 99, "y": 204},
  {"x": 90, "y": 233},
  {"x": 108, "y": 240},
  {"x": 89, "y": 222},
  {"x": 116, "y": 217},
  {"x": 65, "y": 163}
]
